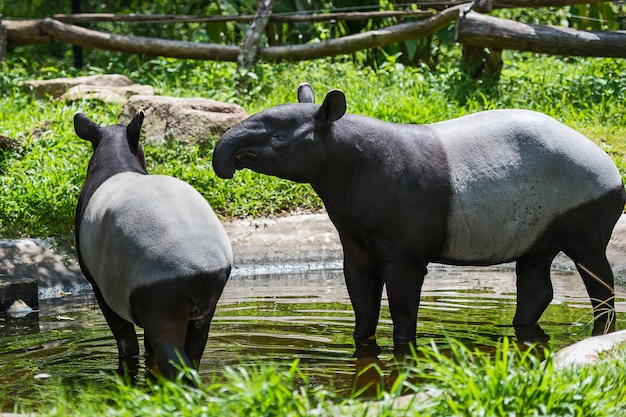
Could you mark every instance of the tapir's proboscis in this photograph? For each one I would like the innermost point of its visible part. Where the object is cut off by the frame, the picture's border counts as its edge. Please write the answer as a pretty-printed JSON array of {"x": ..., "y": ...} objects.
[
  {"x": 488, "y": 188},
  {"x": 152, "y": 248}
]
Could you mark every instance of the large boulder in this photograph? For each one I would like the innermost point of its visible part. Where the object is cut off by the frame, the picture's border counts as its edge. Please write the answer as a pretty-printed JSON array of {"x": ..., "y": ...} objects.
[
  {"x": 591, "y": 350},
  {"x": 182, "y": 119},
  {"x": 55, "y": 269}
]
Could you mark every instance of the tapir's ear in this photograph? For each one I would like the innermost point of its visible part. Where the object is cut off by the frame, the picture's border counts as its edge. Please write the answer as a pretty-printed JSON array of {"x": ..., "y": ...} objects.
[
  {"x": 133, "y": 131},
  {"x": 305, "y": 93},
  {"x": 334, "y": 106},
  {"x": 86, "y": 129}
]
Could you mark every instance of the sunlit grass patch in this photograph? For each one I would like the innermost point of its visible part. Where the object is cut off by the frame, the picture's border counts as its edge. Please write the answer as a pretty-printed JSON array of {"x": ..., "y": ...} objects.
[{"x": 40, "y": 178}]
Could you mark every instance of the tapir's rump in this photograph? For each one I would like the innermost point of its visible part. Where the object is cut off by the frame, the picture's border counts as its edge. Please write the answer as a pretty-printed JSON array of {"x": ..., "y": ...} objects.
[
  {"x": 512, "y": 173},
  {"x": 143, "y": 229}
]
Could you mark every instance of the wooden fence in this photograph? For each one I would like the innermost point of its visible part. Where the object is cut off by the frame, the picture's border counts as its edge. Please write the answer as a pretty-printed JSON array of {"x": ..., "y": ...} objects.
[{"x": 473, "y": 29}]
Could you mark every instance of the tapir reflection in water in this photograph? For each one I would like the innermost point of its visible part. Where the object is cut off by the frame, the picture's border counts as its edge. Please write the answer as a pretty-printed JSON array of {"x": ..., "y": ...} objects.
[
  {"x": 152, "y": 248},
  {"x": 488, "y": 188}
]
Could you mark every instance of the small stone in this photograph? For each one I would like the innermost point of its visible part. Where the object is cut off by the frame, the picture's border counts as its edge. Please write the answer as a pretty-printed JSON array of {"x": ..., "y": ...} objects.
[
  {"x": 19, "y": 307},
  {"x": 17, "y": 288}
]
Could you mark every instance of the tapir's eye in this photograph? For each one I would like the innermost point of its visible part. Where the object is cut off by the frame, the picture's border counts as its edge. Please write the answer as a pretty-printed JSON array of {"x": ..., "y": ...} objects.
[{"x": 278, "y": 141}]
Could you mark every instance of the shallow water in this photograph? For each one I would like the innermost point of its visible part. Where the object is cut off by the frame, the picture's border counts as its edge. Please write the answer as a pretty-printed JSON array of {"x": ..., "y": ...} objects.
[{"x": 278, "y": 318}]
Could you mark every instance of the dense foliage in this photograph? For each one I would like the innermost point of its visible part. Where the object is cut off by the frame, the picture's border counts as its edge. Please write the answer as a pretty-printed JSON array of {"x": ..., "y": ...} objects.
[
  {"x": 430, "y": 50},
  {"x": 43, "y": 168}
]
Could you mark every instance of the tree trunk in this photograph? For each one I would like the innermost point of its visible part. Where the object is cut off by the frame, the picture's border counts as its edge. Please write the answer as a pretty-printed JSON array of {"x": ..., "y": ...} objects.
[
  {"x": 252, "y": 40},
  {"x": 474, "y": 29},
  {"x": 3, "y": 41}
]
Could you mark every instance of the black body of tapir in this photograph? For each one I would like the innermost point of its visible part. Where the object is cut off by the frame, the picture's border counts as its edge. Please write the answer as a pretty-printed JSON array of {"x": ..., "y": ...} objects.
[
  {"x": 152, "y": 248},
  {"x": 488, "y": 188}
]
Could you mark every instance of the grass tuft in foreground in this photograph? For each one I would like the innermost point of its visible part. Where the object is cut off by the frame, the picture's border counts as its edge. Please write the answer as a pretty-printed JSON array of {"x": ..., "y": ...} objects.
[{"x": 459, "y": 381}]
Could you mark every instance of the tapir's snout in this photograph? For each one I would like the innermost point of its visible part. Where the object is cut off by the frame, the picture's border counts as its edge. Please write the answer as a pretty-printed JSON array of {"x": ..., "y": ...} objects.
[{"x": 224, "y": 155}]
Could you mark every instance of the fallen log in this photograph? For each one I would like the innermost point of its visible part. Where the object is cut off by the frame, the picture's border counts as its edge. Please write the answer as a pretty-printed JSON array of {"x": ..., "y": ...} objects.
[
  {"x": 88, "y": 38},
  {"x": 54, "y": 30},
  {"x": 366, "y": 40},
  {"x": 475, "y": 29},
  {"x": 172, "y": 18},
  {"x": 25, "y": 32}
]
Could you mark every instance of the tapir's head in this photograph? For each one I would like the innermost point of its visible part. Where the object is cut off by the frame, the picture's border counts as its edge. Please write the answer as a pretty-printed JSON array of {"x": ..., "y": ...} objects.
[
  {"x": 116, "y": 147},
  {"x": 288, "y": 141}
]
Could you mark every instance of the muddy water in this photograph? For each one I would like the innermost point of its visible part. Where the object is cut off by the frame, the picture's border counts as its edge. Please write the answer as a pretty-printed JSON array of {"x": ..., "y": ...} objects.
[{"x": 279, "y": 318}]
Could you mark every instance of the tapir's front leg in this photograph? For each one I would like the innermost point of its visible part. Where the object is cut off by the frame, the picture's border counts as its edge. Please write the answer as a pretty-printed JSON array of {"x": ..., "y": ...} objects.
[
  {"x": 365, "y": 286},
  {"x": 404, "y": 281}
]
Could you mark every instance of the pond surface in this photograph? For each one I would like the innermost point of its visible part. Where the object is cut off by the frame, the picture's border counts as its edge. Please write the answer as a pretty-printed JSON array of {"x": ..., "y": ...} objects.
[{"x": 278, "y": 318}]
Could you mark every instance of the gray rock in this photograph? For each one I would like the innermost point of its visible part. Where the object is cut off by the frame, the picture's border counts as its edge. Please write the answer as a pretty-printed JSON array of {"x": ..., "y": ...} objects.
[
  {"x": 183, "y": 120},
  {"x": 106, "y": 94},
  {"x": 56, "y": 270},
  {"x": 59, "y": 86}
]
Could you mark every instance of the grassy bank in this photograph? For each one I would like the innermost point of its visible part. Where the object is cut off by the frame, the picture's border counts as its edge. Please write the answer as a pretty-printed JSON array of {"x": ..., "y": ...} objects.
[
  {"x": 458, "y": 382},
  {"x": 43, "y": 163}
]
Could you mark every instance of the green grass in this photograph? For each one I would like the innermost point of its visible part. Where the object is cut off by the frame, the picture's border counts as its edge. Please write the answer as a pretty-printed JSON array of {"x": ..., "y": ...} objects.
[
  {"x": 458, "y": 382},
  {"x": 41, "y": 178}
]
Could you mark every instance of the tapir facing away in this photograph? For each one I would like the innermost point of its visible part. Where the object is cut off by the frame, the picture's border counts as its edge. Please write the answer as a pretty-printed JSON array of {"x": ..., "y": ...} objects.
[
  {"x": 152, "y": 248},
  {"x": 488, "y": 188}
]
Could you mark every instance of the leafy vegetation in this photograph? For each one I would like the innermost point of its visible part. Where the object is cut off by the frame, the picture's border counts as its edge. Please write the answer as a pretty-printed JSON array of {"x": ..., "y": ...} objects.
[
  {"x": 458, "y": 382},
  {"x": 40, "y": 177}
]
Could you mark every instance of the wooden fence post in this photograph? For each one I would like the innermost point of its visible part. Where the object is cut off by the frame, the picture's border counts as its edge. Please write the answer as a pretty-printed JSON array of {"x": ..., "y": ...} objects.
[
  {"x": 3, "y": 40},
  {"x": 251, "y": 41}
]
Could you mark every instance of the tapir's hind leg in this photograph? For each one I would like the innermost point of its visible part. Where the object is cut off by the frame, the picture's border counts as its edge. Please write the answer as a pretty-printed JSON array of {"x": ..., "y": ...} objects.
[
  {"x": 584, "y": 235},
  {"x": 123, "y": 331},
  {"x": 164, "y": 316},
  {"x": 195, "y": 340},
  {"x": 534, "y": 287},
  {"x": 597, "y": 275},
  {"x": 166, "y": 333}
]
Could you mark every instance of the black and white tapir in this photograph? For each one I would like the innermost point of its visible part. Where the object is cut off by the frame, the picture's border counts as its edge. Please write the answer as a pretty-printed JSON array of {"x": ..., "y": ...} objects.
[
  {"x": 487, "y": 188},
  {"x": 152, "y": 248}
]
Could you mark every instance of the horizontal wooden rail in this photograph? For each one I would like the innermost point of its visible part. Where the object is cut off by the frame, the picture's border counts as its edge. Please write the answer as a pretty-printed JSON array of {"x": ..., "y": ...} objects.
[
  {"x": 48, "y": 30},
  {"x": 171, "y": 18},
  {"x": 475, "y": 29}
]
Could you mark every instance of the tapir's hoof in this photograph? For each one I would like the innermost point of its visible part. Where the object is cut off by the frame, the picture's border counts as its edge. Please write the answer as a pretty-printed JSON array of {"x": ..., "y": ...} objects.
[
  {"x": 366, "y": 348},
  {"x": 531, "y": 334},
  {"x": 403, "y": 347}
]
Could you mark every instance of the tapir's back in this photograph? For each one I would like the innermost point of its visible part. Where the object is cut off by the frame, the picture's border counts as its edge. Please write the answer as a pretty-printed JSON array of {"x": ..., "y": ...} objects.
[
  {"x": 142, "y": 229},
  {"x": 512, "y": 172}
]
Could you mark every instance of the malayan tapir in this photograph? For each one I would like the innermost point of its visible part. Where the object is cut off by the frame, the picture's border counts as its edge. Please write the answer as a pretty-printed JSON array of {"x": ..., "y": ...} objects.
[
  {"x": 152, "y": 248},
  {"x": 488, "y": 188}
]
